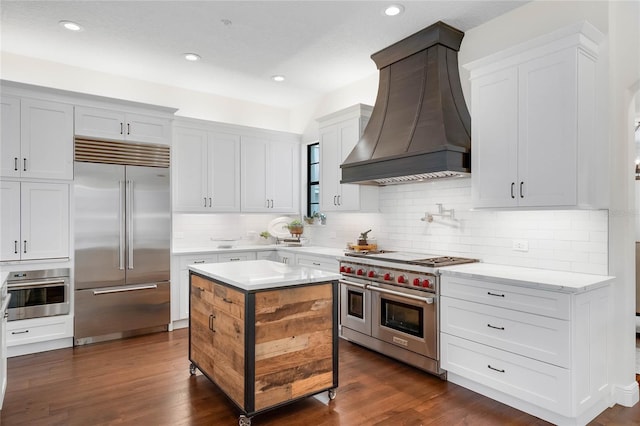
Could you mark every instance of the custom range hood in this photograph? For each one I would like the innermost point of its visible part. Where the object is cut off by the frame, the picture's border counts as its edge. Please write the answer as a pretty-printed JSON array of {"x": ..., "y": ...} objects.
[{"x": 420, "y": 127}]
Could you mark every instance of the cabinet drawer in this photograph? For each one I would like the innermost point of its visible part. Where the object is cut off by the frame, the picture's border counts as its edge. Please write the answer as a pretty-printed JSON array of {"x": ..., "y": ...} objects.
[
  {"x": 229, "y": 301},
  {"x": 39, "y": 330},
  {"x": 535, "y": 301},
  {"x": 185, "y": 261},
  {"x": 533, "y": 381},
  {"x": 236, "y": 257},
  {"x": 322, "y": 263},
  {"x": 542, "y": 338}
]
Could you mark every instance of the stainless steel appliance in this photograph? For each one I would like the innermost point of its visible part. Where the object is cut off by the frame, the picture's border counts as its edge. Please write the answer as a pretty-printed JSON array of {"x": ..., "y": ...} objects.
[
  {"x": 389, "y": 303},
  {"x": 39, "y": 293},
  {"x": 122, "y": 239}
]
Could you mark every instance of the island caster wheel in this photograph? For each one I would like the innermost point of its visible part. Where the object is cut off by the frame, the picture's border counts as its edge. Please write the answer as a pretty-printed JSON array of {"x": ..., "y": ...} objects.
[
  {"x": 244, "y": 421},
  {"x": 192, "y": 369},
  {"x": 332, "y": 394}
]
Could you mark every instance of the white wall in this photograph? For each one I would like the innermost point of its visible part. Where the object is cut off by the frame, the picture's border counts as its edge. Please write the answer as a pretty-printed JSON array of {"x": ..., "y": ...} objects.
[{"x": 189, "y": 103}]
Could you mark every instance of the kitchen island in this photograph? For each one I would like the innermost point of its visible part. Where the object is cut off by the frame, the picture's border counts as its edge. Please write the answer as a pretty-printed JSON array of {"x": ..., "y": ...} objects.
[{"x": 264, "y": 332}]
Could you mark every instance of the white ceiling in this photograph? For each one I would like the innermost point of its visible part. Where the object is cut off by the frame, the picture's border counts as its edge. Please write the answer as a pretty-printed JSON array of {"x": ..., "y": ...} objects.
[{"x": 319, "y": 45}]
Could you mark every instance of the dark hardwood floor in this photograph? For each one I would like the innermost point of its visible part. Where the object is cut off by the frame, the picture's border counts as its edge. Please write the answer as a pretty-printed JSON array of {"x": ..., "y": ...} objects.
[{"x": 145, "y": 381}]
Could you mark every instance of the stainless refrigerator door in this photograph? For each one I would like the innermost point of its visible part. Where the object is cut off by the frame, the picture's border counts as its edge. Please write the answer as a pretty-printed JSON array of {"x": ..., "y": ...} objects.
[
  {"x": 99, "y": 225},
  {"x": 121, "y": 309},
  {"x": 148, "y": 222}
]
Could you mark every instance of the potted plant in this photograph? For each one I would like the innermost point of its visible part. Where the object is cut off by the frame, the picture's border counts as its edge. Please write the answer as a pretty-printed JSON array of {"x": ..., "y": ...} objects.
[{"x": 295, "y": 227}]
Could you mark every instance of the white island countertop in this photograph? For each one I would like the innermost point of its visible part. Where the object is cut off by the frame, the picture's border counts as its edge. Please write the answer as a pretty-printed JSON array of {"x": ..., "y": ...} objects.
[
  {"x": 262, "y": 274},
  {"x": 570, "y": 282}
]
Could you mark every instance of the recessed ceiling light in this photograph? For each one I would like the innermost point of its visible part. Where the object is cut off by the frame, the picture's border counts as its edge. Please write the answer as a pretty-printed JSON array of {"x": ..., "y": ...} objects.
[
  {"x": 71, "y": 26},
  {"x": 192, "y": 57},
  {"x": 393, "y": 10},
  {"x": 278, "y": 78}
]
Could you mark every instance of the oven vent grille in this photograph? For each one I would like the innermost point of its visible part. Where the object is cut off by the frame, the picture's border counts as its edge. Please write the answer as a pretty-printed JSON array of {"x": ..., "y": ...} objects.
[{"x": 127, "y": 153}]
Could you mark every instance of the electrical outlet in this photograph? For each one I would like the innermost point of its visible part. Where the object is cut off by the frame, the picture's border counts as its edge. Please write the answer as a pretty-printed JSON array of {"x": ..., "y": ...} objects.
[{"x": 521, "y": 245}]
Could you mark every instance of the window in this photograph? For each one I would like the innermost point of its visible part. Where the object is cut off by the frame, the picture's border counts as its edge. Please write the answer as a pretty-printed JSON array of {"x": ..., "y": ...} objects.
[{"x": 313, "y": 179}]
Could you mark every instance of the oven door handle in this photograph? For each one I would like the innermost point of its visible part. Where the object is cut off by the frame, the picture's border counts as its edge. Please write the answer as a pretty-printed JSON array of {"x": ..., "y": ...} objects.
[
  {"x": 352, "y": 283},
  {"x": 427, "y": 300},
  {"x": 32, "y": 284}
]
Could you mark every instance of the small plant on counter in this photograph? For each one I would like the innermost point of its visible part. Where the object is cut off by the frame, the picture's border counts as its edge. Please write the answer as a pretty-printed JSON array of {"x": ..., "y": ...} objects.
[
  {"x": 295, "y": 227},
  {"x": 265, "y": 235}
]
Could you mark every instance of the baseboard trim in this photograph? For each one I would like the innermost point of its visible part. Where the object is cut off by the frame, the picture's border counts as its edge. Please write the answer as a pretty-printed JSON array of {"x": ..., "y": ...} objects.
[{"x": 626, "y": 396}]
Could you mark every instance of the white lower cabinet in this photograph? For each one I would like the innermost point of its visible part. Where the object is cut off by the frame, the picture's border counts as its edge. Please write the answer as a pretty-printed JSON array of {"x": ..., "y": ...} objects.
[
  {"x": 541, "y": 351},
  {"x": 39, "y": 334},
  {"x": 317, "y": 262},
  {"x": 180, "y": 293}
]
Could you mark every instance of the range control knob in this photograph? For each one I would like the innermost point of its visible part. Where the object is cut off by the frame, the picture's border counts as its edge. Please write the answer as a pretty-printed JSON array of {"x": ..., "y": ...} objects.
[
  {"x": 371, "y": 274},
  {"x": 349, "y": 270},
  {"x": 417, "y": 282},
  {"x": 388, "y": 276},
  {"x": 360, "y": 271},
  {"x": 402, "y": 279},
  {"x": 343, "y": 269},
  {"x": 427, "y": 284}
]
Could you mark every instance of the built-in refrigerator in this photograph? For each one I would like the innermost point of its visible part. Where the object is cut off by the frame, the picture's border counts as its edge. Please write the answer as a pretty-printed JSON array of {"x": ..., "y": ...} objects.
[{"x": 122, "y": 226}]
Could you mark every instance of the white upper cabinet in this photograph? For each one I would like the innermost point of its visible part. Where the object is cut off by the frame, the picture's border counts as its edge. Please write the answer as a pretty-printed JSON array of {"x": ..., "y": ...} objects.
[
  {"x": 339, "y": 133},
  {"x": 270, "y": 175},
  {"x": 534, "y": 136},
  {"x": 122, "y": 126},
  {"x": 37, "y": 139},
  {"x": 206, "y": 171},
  {"x": 35, "y": 220}
]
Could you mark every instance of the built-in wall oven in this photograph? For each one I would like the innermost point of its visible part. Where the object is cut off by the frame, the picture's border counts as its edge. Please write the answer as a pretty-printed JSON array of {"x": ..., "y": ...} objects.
[
  {"x": 389, "y": 302},
  {"x": 38, "y": 293}
]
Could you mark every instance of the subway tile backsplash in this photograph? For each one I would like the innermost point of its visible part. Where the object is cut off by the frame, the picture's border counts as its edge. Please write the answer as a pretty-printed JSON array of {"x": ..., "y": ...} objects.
[{"x": 565, "y": 240}]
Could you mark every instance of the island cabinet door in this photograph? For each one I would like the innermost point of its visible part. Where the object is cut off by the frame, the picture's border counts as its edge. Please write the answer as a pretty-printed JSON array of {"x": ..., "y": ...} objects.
[
  {"x": 201, "y": 350},
  {"x": 228, "y": 348}
]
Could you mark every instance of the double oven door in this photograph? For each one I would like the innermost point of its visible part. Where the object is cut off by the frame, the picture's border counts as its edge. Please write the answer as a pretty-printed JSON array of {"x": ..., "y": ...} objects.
[{"x": 407, "y": 318}]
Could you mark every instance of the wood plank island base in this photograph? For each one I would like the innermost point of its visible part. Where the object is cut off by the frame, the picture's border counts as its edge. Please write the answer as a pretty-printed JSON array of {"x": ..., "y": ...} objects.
[{"x": 264, "y": 332}]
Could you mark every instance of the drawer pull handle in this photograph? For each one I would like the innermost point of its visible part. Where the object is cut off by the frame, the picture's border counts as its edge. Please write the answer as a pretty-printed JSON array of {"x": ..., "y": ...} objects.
[
  {"x": 20, "y": 332},
  {"x": 233, "y": 259},
  {"x": 316, "y": 263},
  {"x": 495, "y": 369},
  {"x": 224, "y": 299},
  {"x": 198, "y": 261},
  {"x": 495, "y": 294},
  {"x": 493, "y": 326}
]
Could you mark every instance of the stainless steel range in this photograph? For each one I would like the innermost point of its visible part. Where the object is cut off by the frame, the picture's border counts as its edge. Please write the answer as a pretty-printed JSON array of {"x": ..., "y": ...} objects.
[{"x": 389, "y": 303}]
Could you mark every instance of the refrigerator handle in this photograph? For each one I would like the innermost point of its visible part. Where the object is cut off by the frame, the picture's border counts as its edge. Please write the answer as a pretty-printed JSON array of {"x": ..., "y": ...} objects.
[
  {"x": 129, "y": 221},
  {"x": 121, "y": 222}
]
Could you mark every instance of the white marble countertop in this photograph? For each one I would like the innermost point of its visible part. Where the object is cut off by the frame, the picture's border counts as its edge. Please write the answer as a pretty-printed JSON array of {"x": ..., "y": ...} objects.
[
  {"x": 262, "y": 274},
  {"x": 528, "y": 277},
  {"x": 312, "y": 250}
]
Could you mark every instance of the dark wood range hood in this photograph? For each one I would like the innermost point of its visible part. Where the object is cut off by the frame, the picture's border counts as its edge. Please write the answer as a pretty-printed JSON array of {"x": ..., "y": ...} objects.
[{"x": 420, "y": 126}]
